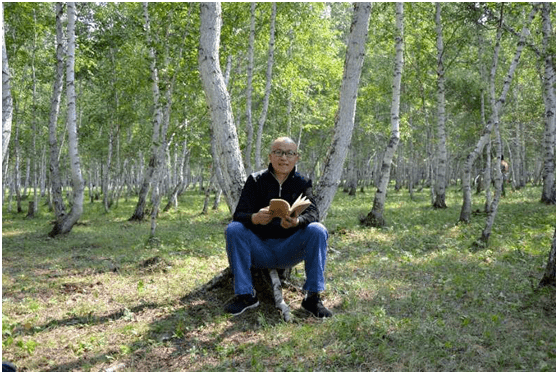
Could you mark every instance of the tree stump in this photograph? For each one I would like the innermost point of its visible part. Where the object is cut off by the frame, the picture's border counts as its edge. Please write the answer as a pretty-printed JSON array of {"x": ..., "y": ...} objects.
[{"x": 267, "y": 283}]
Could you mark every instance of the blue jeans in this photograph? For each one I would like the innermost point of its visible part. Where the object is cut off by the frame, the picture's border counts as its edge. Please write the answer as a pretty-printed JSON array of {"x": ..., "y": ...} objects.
[{"x": 245, "y": 250}]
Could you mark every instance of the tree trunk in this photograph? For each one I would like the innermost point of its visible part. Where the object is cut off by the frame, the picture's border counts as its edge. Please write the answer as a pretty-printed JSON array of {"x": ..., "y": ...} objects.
[
  {"x": 465, "y": 215},
  {"x": 399, "y": 169},
  {"x": 441, "y": 168},
  {"x": 518, "y": 150},
  {"x": 180, "y": 183},
  {"x": 524, "y": 175},
  {"x": 153, "y": 165},
  {"x": 42, "y": 172},
  {"x": 376, "y": 216},
  {"x": 493, "y": 208},
  {"x": 7, "y": 104},
  {"x": 113, "y": 135},
  {"x": 55, "y": 178},
  {"x": 158, "y": 139},
  {"x": 488, "y": 175},
  {"x": 249, "y": 88},
  {"x": 17, "y": 169},
  {"x": 218, "y": 174},
  {"x": 345, "y": 117},
  {"x": 263, "y": 114},
  {"x": 207, "y": 191},
  {"x": 495, "y": 119},
  {"x": 217, "y": 199},
  {"x": 352, "y": 181},
  {"x": 218, "y": 100},
  {"x": 549, "y": 95},
  {"x": 411, "y": 181},
  {"x": 549, "y": 277},
  {"x": 65, "y": 226},
  {"x": 161, "y": 148}
]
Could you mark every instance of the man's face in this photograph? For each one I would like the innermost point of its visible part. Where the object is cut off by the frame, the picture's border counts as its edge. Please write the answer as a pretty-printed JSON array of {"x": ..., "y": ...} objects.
[{"x": 283, "y": 157}]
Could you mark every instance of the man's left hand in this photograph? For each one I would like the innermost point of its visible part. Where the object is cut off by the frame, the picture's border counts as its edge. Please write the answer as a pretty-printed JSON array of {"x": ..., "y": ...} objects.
[{"x": 289, "y": 222}]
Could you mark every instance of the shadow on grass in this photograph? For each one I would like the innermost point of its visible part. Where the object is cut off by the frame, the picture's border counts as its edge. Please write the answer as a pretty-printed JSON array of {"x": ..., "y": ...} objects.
[{"x": 198, "y": 331}]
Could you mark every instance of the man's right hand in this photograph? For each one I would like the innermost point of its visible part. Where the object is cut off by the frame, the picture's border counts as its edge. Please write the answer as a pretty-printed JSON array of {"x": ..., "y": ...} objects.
[{"x": 263, "y": 217}]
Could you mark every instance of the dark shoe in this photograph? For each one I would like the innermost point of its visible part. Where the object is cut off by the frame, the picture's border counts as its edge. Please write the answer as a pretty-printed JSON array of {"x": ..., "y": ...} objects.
[
  {"x": 241, "y": 303},
  {"x": 313, "y": 304}
]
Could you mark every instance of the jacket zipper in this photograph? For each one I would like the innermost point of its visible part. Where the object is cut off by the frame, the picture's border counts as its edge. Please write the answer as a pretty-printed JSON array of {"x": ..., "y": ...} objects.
[{"x": 280, "y": 184}]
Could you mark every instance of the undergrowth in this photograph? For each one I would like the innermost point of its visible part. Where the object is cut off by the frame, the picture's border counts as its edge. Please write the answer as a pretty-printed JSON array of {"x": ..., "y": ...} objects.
[{"x": 412, "y": 296}]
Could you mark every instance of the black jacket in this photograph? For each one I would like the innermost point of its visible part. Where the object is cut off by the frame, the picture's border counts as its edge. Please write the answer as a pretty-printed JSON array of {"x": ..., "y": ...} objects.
[{"x": 260, "y": 188}]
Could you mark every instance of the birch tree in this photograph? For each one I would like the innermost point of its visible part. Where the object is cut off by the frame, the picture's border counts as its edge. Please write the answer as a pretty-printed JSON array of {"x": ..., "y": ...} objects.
[
  {"x": 162, "y": 147},
  {"x": 549, "y": 94},
  {"x": 218, "y": 100},
  {"x": 496, "y": 106},
  {"x": 162, "y": 102},
  {"x": 441, "y": 159},
  {"x": 484, "y": 140},
  {"x": 66, "y": 224},
  {"x": 345, "y": 117},
  {"x": 268, "y": 76},
  {"x": 182, "y": 181},
  {"x": 157, "y": 122},
  {"x": 249, "y": 89},
  {"x": 376, "y": 216},
  {"x": 7, "y": 105},
  {"x": 34, "y": 116},
  {"x": 55, "y": 178}
]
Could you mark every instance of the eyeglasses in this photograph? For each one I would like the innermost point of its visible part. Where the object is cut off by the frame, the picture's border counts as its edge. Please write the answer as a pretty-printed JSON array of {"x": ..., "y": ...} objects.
[{"x": 280, "y": 153}]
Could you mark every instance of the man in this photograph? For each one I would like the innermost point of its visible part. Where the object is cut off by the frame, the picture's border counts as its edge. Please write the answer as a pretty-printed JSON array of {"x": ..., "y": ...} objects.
[{"x": 256, "y": 239}]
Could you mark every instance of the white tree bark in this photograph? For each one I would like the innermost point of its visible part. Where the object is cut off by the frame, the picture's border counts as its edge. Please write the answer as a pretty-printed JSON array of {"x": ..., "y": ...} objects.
[
  {"x": 345, "y": 117},
  {"x": 496, "y": 108},
  {"x": 181, "y": 174},
  {"x": 64, "y": 226},
  {"x": 249, "y": 88},
  {"x": 488, "y": 172},
  {"x": 442, "y": 155},
  {"x": 55, "y": 178},
  {"x": 108, "y": 193},
  {"x": 376, "y": 216},
  {"x": 497, "y": 105},
  {"x": 7, "y": 104},
  {"x": 218, "y": 100},
  {"x": 465, "y": 214},
  {"x": 549, "y": 142},
  {"x": 161, "y": 120},
  {"x": 17, "y": 169},
  {"x": 157, "y": 121},
  {"x": 34, "y": 150},
  {"x": 165, "y": 114},
  {"x": 268, "y": 75}
]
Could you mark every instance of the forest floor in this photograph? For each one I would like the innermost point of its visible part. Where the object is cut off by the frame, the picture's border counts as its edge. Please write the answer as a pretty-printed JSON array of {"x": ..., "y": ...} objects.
[{"x": 413, "y": 296}]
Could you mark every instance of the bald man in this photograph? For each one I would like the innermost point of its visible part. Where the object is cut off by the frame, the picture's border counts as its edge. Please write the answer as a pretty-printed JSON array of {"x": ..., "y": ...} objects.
[{"x": 256, "y": 239}]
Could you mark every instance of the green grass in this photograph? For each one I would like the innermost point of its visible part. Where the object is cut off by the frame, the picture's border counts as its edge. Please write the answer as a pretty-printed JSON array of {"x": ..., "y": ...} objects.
[{"x": 413, "y": 296}]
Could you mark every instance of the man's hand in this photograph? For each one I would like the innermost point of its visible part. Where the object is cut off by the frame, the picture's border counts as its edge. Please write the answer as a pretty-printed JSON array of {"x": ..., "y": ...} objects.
[
  {"x": 289, "y": 222},
  {"x": 263, "y": 217}
]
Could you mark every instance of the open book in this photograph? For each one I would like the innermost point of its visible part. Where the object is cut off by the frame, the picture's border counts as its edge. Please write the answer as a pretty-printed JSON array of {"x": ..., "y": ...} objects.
[{"x": 280, "y": 208}]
